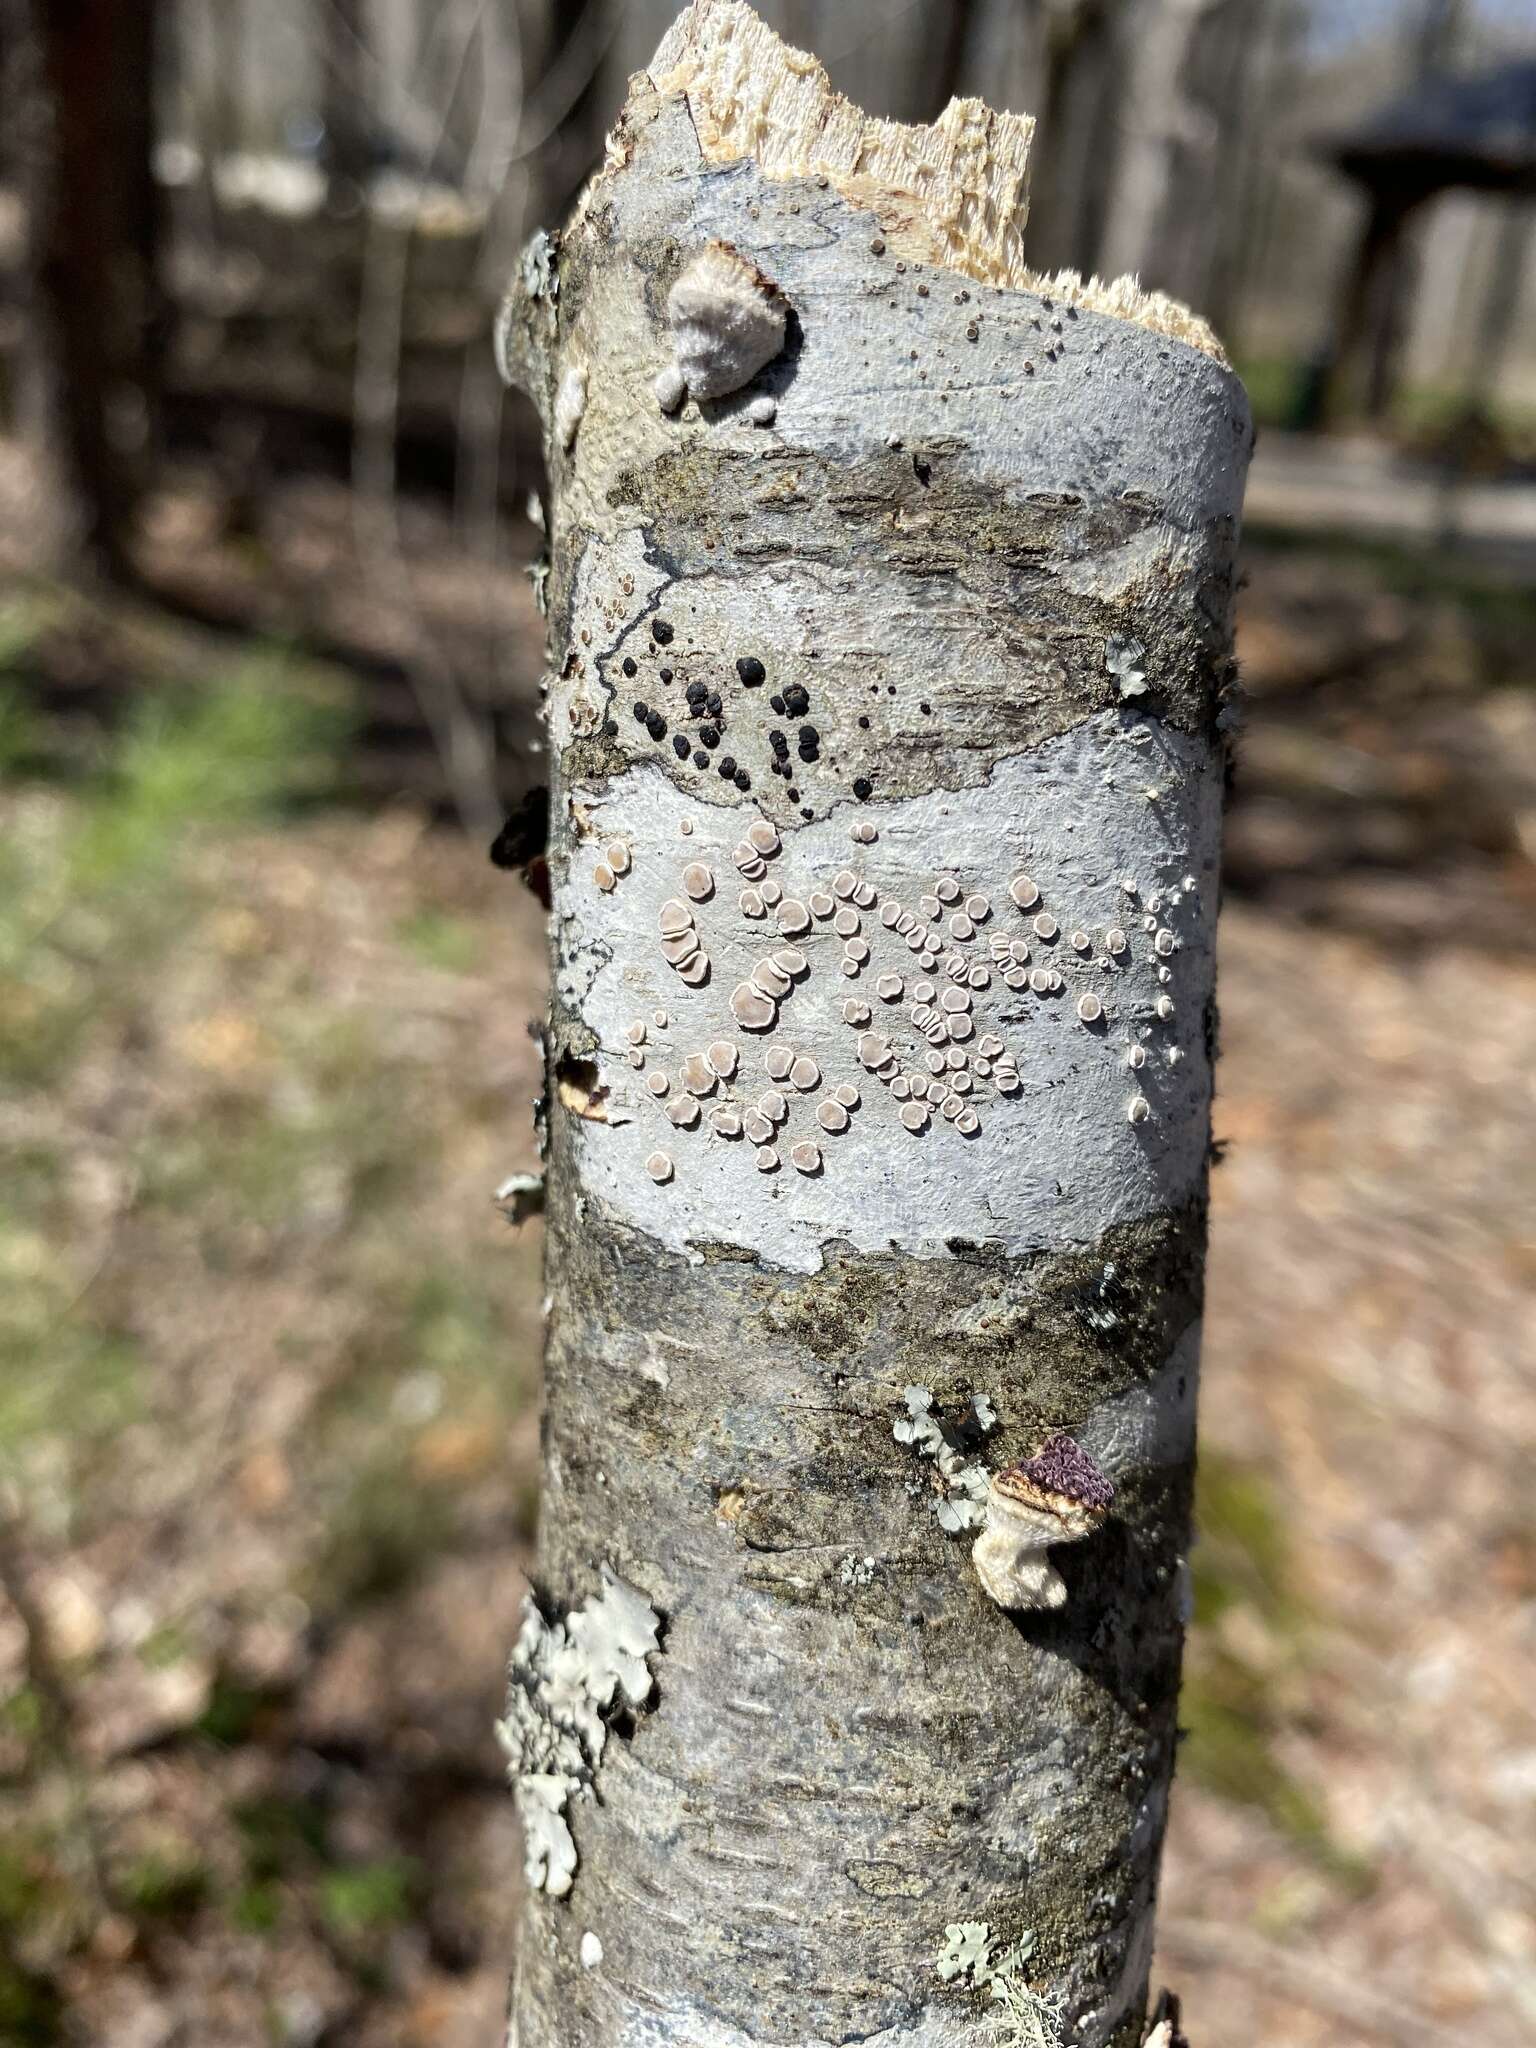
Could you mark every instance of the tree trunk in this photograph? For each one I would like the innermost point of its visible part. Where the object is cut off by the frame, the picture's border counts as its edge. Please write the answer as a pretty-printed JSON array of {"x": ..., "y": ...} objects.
[
  {"x": 347, "y": 116},
  {"x": 1161, "y": 220},
  {"x": 94, "y": 235},
  {"x": 886, "y": 741}
]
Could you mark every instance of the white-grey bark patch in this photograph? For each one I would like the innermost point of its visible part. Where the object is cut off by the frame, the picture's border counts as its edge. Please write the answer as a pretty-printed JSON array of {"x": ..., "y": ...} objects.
[{"x": 1070, "y": 1031}]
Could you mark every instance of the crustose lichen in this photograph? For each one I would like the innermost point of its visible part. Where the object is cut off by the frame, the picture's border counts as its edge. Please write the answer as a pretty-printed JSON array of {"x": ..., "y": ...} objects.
[{"x": 1024, "y": 2018}]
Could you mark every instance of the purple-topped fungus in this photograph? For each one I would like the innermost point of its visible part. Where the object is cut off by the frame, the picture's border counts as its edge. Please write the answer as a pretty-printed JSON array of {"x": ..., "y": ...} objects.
[{"x": 1057, "y": 1496}]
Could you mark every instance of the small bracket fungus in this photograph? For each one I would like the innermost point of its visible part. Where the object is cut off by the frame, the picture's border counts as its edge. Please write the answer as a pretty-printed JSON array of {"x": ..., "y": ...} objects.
[
  {"x": 564, "y": 1681},
  {"x": 1165, "y": 2030},
  {"x": 727, "y": 321},
  {"x": 1057, "y": 1496},
  {"x": 669, "y": 388},
  {"x": 520, "y": 1196}
]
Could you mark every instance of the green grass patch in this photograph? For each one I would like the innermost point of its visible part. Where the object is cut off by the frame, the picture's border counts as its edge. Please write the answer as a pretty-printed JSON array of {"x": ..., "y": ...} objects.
[
  {"x": 452, "y": 945},
  {"x": 1491, "y": 600},
  {"x": 367, "y": 1898},
  {"x": 1231, "y": 1707},
  {"x": 162, "y": 1884},
  {"x": 382, "y": 1534}
]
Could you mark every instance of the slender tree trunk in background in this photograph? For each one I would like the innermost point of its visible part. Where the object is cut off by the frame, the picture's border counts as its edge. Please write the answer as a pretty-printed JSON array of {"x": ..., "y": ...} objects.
[
  {"x": 345, "y": 110},
  {"x": 1079, "y": 95},
  {"x": 878, "y": 1087},
  {"x": 1188, "y": 70},
  {"x": 94, "y": 232}
]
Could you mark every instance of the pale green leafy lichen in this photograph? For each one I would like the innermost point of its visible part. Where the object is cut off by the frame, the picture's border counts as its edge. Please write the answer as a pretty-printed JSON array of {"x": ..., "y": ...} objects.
[
  {"x": 563, "y": 1678},
  {"x": 1024, "y": 2018},
  {"x": 963, "y": 1504}
]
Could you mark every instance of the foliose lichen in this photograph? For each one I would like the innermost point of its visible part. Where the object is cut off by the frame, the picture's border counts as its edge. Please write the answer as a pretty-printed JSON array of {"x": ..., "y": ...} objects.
[
  {"x": 963, "y": 1504},
  {"x": 565, "y": 1681},
  {"x": 1025, "y": 2018}
]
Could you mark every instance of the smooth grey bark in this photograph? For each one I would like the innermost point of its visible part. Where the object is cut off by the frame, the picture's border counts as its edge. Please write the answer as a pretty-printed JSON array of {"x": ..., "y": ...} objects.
[{"x": 776, "y": 1748}]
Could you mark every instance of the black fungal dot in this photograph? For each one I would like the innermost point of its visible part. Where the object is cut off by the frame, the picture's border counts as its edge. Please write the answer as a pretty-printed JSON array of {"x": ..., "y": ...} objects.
[
  {"x": 629, "y": 664},
  {"x": 863, "y": 787},
  {"x": 708, "y": 736},
  {"x": 661, "y": 632},
  {"x": 777, "y": 702},
  {"x": 610, "y": 728},
  {"x": 680, "y": 745},
  {"x": 794, "y": 796},
  {"x": 865, "y": 723},
  {"x": 715, "y": 702},
  {"x": 642, "y": 710},
  {"x": 805, "y": 810},
  {"x": 656, "y": 726},
  {"x": 727, "y": 767},
  {"x": 778, "y": 742},
  {"x": 700, "y": 758},
  {"x": 797, "y": 700},
  {"x": 751, "y": 671},
  {"x": 809, "y": 736},
  {"x": 926, "y": 710},
  {"x": 742, "y": 779},
  {"x": 665, "y": 674}
]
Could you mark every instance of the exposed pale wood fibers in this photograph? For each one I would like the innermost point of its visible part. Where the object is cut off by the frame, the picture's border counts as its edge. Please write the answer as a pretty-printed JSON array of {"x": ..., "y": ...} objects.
[{"x": 953, "y": 193}]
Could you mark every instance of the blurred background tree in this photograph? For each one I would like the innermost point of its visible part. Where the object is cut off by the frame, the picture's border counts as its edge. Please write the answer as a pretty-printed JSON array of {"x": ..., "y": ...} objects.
[{"x": 268, "y": 1357}]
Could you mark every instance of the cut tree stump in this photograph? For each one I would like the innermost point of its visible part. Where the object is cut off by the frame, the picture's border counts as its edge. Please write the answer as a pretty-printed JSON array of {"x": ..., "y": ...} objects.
[{"x": 890, "y": 626}]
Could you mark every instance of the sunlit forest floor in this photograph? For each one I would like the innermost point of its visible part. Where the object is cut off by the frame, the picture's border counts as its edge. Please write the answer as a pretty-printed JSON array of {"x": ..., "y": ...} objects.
[{"x": 268, "y": 1424}]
